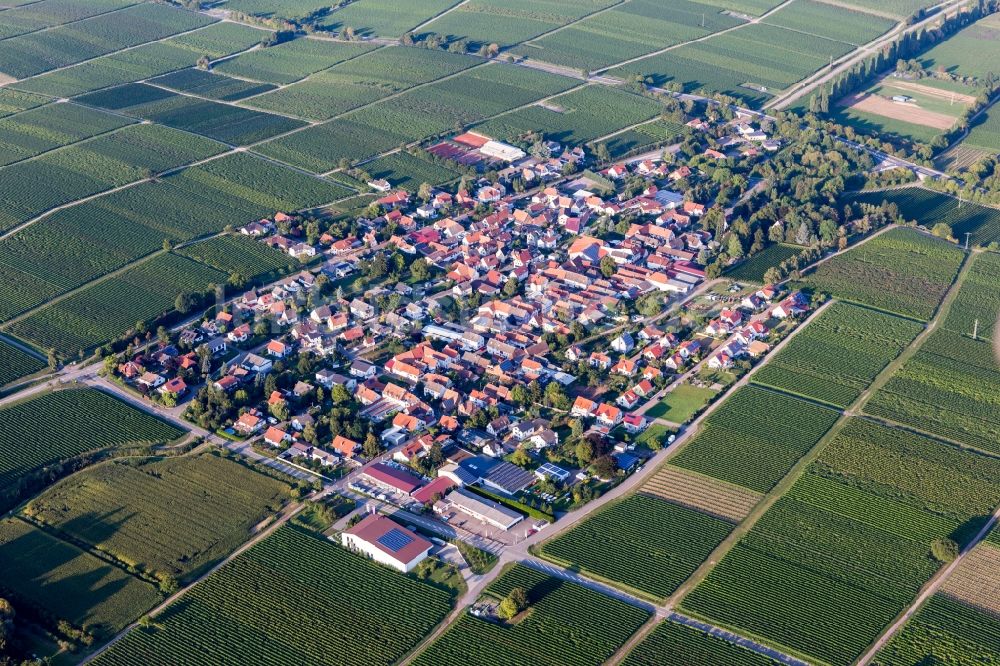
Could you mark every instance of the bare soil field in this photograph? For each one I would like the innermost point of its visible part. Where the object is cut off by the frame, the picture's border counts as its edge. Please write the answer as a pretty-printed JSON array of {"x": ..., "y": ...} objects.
[
  {"x": 907, "y": 112},
  {"x": 930, "y": 91}
]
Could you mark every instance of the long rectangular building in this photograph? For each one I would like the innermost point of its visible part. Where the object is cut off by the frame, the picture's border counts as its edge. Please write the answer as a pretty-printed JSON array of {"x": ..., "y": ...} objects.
[{"x": 462, "y": 501}]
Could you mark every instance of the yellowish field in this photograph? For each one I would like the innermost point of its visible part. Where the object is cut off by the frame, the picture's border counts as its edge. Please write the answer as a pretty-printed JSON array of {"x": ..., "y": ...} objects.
[
  {"x": 905, "y": 111},
  {"x": 711, "y": 496},
  {"x": 976, "y": 581}
]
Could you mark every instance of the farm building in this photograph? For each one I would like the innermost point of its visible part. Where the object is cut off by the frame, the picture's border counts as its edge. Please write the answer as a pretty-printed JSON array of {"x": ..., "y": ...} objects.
[
  {"x": 391, "y": 478},
  {"x": 387, "y": 543},
  {"x": 465, "y": 502}
]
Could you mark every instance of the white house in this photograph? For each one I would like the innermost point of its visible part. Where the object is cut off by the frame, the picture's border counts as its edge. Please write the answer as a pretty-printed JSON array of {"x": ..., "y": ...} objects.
[{"x": 387, "y": 542}]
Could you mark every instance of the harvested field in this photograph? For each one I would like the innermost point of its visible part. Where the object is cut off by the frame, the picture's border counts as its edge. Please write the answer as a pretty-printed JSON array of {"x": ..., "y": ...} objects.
[
  {"x": 930, "y": 91},
  {"x": 904, "y": 111},
  {"x": 976, "y": 582},
  {"x": 696, "y": 491}
]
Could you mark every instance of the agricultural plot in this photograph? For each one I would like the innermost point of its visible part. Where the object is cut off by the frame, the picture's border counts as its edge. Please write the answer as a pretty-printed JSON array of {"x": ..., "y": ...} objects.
[
  {"x": 833, "y": 22},
  {"x": 409, "y": 171},
  {"x": 839, "y": 354},
  {"x": 984, "y": 134},
  {"x": 108, "y": 309},
  {"x": 754, "y": 268},
  {"x": 415, "y": 115},
  {"x": 223, "y": 122},
  {"x": 976, "y": 581},
  {"x": 669, "y": 541},
  {"x": 296, "y": 598},
  {"x": 928, "y": 208},
  {"x": 755, "y": 438},
  {"x": 901, "y": 271},
  {"x": 361, "y": 81},
  {"x": 970, "y": 52},
  {"x": 949, "y": 388},
  {"x": 747, "y": 7},
  {"x": 576, "y": 117},
  {"x": 644, "y": 137},
  {"x": 626, "y": 31},
  {"x": 239, "y": 254},
  {"x": 897, "y": 8},
  {"x": 508, "y": 22},
  {"x": 80, "y": 421},
  {"x": 673, "y": 644},
  {"x": 50, "y": 13},
  {"x": 15, "y": 363},
  {"x": 944, "y": 632},
  {"x": 850, "y": 544},
  {"x": 290, "y": 61},
  {"x": 696, "y": 491},
  {"x": 40, "y": 130},
  {"x": 568, "y": 625},
  {"x": 180, "y": 52},
  {"x": 978, "y": 300},
  {"x": 750, "y": 63},
  {"x": 63, "y": 582},
  {"x": 681, "y": 404},
  {"x": 200, "y": 83},
  {"x": 15, "y": 101},
  {"x": 287, "y": 9},
  {"x": 34, "y": 53},
  {"x": 385, "y": 18},
  {"x": 170, "y": 518}
]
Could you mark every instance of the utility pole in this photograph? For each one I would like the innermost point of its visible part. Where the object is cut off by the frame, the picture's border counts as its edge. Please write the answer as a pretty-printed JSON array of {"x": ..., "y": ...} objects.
[
  {"x": 975, "y": 330},
  {"x": 967, "y": 234}
]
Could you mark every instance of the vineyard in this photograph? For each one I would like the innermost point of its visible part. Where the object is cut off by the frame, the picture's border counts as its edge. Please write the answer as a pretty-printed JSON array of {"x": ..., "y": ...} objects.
[
  {"x": 214, "y": 86},
  {"x": 215, "y": 41},
  {"x": 754, "y": 268},
  {"x": 75, "y": 421},
  {"x": 944, "y": 632},
  {"x": 644, "y": 137},
  {"x": 362, "y": 81},
  {"x": 626, "y": 31},
  {"x": 385, "y": 18},
  {"x": 61, "y": 581},
  {"x": 241, "y": 255},
  {"x": 37, "y": 52},
  {"x": 963, "y": 52},
  {"x": 292, "y": 598},
  {"x": 901, "y": 271},
  {"x": 173, "y": 517},
  {"x": 288, "y": 62},
  {"x": 223, "y": 122},
  {"x": 13, "y": 101},
  {"x": 831, "y": 21},
  {"x": 40, "y": 130},
  {"x": 976, "y": 581},
  {"x": 950, "y": 388},
  {"x": 15, "y": 364},
  {"x": 576, "y": 117},
  {"x": 755, "y": 438},
  {"x": 408, "y": 171},
  {"x": 985, "y": 132},
  {"x": 705, "y": 494},
  {"x": 20, "y": 20},
  {"x": 568, "y": 625},
  {"x": 929, "y": 208},
  {"x": 673, "y": 644},
  {"x": 106, "y": 310},
  {"x": 978, "y": 299},
  {"x": 838, "y": 355},
  {"x": 642, "y": 542}
]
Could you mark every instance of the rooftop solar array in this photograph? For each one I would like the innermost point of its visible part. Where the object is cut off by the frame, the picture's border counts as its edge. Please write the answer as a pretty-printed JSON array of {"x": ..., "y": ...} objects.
[{"x": 395, "y": 540}]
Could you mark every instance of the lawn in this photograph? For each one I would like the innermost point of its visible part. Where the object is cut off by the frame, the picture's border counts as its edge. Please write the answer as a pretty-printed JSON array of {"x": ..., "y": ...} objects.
[{"x": 681, "y": 404}]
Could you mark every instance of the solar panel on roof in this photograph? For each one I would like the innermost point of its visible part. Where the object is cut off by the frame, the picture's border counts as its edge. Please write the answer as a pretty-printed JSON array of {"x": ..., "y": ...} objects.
[{"x": 395, "y": 540}]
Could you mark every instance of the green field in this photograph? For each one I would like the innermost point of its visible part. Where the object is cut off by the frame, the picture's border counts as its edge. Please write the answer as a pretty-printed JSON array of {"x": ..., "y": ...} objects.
[
  {"x": 76, "y": 421},
  {"x": 361, "y": 81},
  {"x": 568, "y": 625},
  {"x": 295, "y": 598},
  {"x": 831, "y": 21},
  {"x": 928, "y": 208},
  {"x": 978, "y": 300},
  {"x": 34, "y": 53},
  {"x": 409, "y": 171},
  {"x": 681, "y": 404},
  {"x": 241, "y": 255},
  {"x": 200, "y": 83},
  {"x": 508, "y": 22},
  {"x": 40, "y": 130},
  {"x": 644, "y": 137},
  {"x": 15, "y": 101},
  {"x": 754, "y": 268},
  {"x": 899, "y": 8},
  {"x": 277, "y": 8},
  {"x": 901, "y": 271},
  {"x": 944, "y": 631},
  {"x": 106, "y": 310},
  {"x": 850, "y": 543},
  {"x": 643, "y": 543},
  {"x": 15, "y": 363},
  {"x": 838, "y": 355},
  {"x": 170, "y": 518},
  {"x": 50, "y": 13},
  {"x": 215, "y": 41},
  {"x": 985, "y": 131},
  {"x": 673, "y": 644},
  {"x": 626, "y": 31},
  {"x": 385, "y": 18},
  {"x": 970, "y": 52},
  {"x": 755, "y": 437},
  {"x": 61, "y": 582},
  {"x": 223, "y": 122},
  {"x": 290, "y": 61}
]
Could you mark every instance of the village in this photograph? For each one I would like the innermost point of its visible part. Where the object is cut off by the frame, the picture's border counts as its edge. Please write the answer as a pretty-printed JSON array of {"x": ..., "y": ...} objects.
[{"x": 488, "y": 359}]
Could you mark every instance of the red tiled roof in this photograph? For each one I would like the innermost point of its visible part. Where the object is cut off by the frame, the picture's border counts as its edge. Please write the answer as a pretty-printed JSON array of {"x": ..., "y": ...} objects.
[
  {"x": 375, "y": 527},
  {"x": 396, "y": 478}
]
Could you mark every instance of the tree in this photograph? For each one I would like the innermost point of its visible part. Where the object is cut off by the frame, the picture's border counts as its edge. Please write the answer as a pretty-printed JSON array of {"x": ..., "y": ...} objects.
[
  {"x": 515, "y": 602},
  {"x": 772, "y": 275},
  {"x": 425, "y": 192},
  {"x": 339, "y": 395},
  {"x": 608, "y": 266},
  {"x": 944, "y": 550},
  {"x": 184, "y": 302},
  {"x": 520, "y": 458},
  {"x": 605, "y": 467},
  {"x": 420, "y": 270},
  {"x": 942, "y": 230},
  {"x": 511, "y": 287},
  {"x": 584, "y": 452},
  {"x": 371, "y": 447}
]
